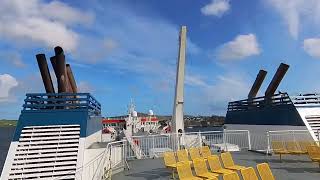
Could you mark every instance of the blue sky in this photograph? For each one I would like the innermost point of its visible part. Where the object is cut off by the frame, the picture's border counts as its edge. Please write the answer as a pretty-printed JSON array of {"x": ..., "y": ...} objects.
[{"x": 125, "y": 49}]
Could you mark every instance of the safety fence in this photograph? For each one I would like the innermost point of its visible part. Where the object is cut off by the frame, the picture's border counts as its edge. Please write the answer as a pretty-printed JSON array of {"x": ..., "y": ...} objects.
[
  {"x": 110, "y": 160},
  {"x": 154, "y": 145},
  {"x": 286, "y": 136}
]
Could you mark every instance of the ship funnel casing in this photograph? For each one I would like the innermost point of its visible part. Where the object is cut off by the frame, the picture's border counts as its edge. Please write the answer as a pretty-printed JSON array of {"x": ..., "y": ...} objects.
[
  {"x": 257, "y": 84},
  {"x": 276, "y": 80}
]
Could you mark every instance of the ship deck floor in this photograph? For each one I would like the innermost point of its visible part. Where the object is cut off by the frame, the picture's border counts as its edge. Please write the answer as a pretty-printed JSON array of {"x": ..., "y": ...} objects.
[{"x": 292, "y": 167}]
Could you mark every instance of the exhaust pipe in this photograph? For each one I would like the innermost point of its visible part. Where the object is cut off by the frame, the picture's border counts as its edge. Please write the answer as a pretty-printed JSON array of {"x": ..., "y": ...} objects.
[
  {"x": 257, "y": 84},
  {"x": 59, "y": 65},
  {"x": 71, "y": 79},
  {"x": 274, "y": 84},
  {"x": 45, "y": 73}
]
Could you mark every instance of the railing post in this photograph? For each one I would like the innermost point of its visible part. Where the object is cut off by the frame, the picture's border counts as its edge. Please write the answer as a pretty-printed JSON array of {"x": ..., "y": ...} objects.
[
  {"x": 152, "y": 147},
  {"x": 200, "y": 139},
  {"x": 268, "y": 139},
  {"x": 249, "y": 140},
  {"x": 224, "y": 140},
  {"x": 293, "y": 136}
]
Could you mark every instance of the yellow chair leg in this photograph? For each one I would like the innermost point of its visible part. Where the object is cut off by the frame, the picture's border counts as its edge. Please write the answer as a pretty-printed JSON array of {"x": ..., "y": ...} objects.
[{"x": 173, "y": 177}]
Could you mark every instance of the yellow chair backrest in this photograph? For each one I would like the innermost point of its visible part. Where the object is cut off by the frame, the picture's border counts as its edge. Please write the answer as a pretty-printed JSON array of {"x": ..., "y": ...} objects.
[
  {"x": 200, "y": 166},
  {"x": 316, "y": 143},
  {"x": 313, "y": 151},
  {"x": 265, "y": 171},
  {"x": 227, "y": 159},
  {"x": 169, "y": 158},
  {"x": 205, "y": 151},
  {"x": 214, "y": 162},
  {"x": 182, "y": 155},
  {"x": 249, "y": 174},
  {"x": 194, "y": 153},
  {"x": 304, "y": 145},
  {"x": 277, "y": 145},
  {"x": 292, "y": 146},
  {"x": 184, "y": 170},
  {"x": 231, "y": 176}
]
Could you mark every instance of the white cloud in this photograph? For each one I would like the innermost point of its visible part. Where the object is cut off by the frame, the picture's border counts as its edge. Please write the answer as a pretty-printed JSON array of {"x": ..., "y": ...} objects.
[
  {"x": 228, "y": 87},
  {"x": 312, "y": 47},
  {"x": 241, "y": 47},
  {"x": 7, "y": 82},
  {"x": 216, "y": 8},
  {"x": 293, "y": 11},
  {"x": 195, "y": 80},
  {"x": 36, "y": 21},
  {"x": 85, "y": 87},
  {"x": 13, "y": 58}
]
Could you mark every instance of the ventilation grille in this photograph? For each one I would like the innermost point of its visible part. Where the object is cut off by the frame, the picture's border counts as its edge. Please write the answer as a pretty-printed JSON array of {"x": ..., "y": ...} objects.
[{"x": 46, "y": 152}]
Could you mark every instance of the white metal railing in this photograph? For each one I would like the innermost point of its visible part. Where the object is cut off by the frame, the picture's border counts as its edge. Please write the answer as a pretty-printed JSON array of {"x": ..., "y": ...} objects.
[
  {"x": 306, "y": 99},
  {"x": 113, "y": 157},
  {"x": 287, "y": 135},
  {"x": 151, "y": 144}
]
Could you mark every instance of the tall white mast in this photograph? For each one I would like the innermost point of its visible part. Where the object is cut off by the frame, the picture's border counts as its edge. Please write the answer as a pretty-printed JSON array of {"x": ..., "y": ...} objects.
[{"x": 177, "y": 117}]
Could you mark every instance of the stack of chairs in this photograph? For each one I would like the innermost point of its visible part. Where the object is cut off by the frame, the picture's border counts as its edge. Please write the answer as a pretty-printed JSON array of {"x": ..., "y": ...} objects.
[
  {"x": 209, "y": 166},
  {"x": 290, "y": 147}
]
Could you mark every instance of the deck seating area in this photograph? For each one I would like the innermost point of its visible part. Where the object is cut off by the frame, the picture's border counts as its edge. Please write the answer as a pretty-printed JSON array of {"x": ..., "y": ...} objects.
[
  {"x": 310, "y": 148},
  {"x": 192, "y": 164},
  {"x": 292, "y": 167}
]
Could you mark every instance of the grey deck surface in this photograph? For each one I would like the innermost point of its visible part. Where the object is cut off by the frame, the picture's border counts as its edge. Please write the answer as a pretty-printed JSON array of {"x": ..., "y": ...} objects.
[{"x": 291, "y": 167}]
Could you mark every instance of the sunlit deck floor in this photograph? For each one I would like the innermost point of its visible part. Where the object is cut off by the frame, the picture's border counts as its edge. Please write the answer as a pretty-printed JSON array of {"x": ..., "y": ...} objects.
[{"x": 291, "y": 167}]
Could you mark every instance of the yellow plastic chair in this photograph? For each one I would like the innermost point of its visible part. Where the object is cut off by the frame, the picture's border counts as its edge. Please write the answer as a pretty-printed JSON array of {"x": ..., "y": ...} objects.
[
  {"x": 194, "y": 153},
  {"x": 229, "y": 163},
  {"x": 205, "y": 152},
  {"x": 170, "y": 162},
  {"x": 215, "y": 165},
  {"x": 278, "y": 148},
  {"x": 293, "y": 148},
  {"x": 316, "y": 143},
  {"x": 201, "y": 169},
  {"x": 314, "y": 153},
  {"x": 183, "y": 156},
  {"x": 184, "y": 172},
  {"x": 249, "y": 174},
  {"x": 304, "y": 145},
  {"x": 231, "y": 176},
  {"x": 265, "y": 171}
]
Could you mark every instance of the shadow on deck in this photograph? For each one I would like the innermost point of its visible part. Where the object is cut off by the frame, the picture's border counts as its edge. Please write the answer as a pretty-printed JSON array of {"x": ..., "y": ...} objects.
[{"x": 291, "y": 167}]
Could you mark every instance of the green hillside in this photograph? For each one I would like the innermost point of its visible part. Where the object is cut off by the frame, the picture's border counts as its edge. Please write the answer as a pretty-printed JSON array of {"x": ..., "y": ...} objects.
[{"x": 7, "y": 123}]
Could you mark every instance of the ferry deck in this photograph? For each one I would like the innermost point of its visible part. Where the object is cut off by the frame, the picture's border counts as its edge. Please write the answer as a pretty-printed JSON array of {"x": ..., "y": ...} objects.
[{"x": 292, "y": 167}]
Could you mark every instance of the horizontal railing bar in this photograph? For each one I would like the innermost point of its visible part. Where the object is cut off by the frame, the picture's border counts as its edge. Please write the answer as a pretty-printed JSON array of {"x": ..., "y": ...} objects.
[
  {"x": 53, "y": 99},
  {"x": 53, "y": 105},
  {"x": 58, "y": 94}
]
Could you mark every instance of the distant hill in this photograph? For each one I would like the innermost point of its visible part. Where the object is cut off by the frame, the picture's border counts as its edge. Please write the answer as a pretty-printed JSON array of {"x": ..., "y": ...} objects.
[
  {"x": 8, "y": 123},
  {"x": 190, "y": 120}
]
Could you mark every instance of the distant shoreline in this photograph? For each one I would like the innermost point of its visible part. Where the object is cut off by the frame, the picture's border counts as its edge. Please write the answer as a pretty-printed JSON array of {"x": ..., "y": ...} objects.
[{"x": 8, "y": 123}]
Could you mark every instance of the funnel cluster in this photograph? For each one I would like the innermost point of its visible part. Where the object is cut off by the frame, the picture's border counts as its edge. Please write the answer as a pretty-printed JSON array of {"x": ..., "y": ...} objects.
[
  {"x": 274, "y": 84},
  {"x": 63, "y": 72}
]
